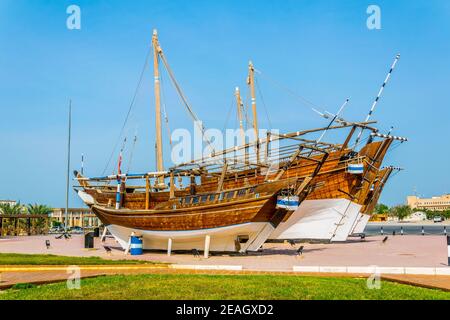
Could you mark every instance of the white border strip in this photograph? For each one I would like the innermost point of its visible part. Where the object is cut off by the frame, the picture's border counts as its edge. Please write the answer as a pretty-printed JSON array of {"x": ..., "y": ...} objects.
[
  {"x": 205, "y": 267},
  {"x": 372, "y": 269}
]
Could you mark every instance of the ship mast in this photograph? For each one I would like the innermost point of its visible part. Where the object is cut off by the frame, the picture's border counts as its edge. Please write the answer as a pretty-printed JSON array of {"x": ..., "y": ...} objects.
[
  {"x": 251, "y": 83},
  {"x": 159, "y": 152},
  {"x": 241, "y": 121},
  {"x": 374, "y": 104}
]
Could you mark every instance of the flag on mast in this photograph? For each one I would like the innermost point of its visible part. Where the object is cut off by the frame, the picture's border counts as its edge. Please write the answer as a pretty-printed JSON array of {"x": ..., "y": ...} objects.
[{"x": 119, "y": 163}]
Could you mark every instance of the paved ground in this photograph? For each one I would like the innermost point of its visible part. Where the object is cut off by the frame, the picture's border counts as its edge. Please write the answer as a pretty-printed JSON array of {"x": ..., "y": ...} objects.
[
  {"x": 397, "y": 251},
  {"x": 433, "y": 282},
  {"x": 416, "y": 223}
]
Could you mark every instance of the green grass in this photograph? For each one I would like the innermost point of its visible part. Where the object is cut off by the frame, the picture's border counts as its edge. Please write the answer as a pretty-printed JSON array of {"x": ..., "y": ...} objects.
[
  {"x": 223, "y": 287},
  {"x": 50, "y": 259}
]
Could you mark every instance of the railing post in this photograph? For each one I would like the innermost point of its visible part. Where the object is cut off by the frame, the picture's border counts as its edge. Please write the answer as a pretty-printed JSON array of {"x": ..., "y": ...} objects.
[
  {"x": 448, "y": 250},
  {"x": 207, "y": 243},
  {"x": 169, "y": 247}
]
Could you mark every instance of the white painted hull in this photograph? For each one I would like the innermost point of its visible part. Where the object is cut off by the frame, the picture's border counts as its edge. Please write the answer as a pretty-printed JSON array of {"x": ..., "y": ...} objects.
[
  {"x": 361, "y": 223},
  {"x": 221, "y": 239},
  {"x": 328, "y": 219}
]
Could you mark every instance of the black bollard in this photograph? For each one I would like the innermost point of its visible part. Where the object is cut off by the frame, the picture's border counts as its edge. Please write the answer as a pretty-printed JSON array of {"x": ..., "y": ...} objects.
[
  {"x": 393, "y": 233},
  {"x": 89, "y": 240},
  {"x": 448, "y": 250}
]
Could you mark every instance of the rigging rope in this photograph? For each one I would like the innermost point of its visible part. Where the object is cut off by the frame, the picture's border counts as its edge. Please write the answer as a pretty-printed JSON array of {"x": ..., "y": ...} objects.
[
  {"x": 129, "y": 110},
  {"x": 292, "y": 93},
  {"x": 166, "y": 118},
  {"x": 132, "y": 151},
  {"x": 183, "y": 98},
  {"x": 264, "y": 104},
  {"x": 228, "y": 115}
]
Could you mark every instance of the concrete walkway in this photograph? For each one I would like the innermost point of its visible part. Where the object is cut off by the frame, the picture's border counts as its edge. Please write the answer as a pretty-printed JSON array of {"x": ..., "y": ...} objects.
[{"x": 397, "y": 251}]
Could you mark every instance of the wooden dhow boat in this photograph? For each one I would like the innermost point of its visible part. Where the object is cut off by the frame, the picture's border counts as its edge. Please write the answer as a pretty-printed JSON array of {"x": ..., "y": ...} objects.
[{"x": 223, "y": 218}]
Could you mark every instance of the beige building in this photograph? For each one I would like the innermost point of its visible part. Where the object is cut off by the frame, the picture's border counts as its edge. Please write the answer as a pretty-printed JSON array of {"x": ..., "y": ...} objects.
[
  {"x": 10, "y": 202},
  {"x": 434, "y": 203},
  {"x": 77, "y": 217}
]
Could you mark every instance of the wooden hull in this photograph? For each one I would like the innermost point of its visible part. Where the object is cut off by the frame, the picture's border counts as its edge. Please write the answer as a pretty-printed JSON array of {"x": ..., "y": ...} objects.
[
  {"x": 335, "y": 205},
  {"x": 251, "y": 215},
  {"x": 332, "y": 181},
  {"x": 371, "y": 200},
  {"x": 204, "y": 217}
]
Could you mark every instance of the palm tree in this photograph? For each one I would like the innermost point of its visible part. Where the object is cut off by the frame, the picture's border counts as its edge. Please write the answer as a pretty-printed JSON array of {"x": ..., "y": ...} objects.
[
  {"x": 10, "y": 209},
  {"x": 10, "y": 225},
  {"x": 401, "y": 212},
  {"x": 381, "y": 208},
  {"x": 39, "y": 209}
]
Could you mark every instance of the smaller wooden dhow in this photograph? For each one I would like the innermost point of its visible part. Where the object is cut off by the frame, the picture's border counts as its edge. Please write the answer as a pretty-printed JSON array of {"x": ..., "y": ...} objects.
[
  {"x": 222, "y": 218},
  {"x": 232, "y": 219}
]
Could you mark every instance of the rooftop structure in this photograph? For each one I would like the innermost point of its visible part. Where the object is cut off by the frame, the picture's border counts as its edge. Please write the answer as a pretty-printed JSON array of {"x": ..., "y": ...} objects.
[{"x": 440, "y": 203}]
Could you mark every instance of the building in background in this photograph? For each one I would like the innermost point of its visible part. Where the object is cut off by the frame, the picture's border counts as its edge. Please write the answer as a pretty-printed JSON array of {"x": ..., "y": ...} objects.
[
  {"x": 434, "y": 203},
  {"x": 10, "y": 202},
  {"x": 380, "y": 217},
  {"x": 77, "y": 217}
]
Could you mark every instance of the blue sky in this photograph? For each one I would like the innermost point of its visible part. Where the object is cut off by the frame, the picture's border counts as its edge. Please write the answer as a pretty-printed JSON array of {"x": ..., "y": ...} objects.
[{"x": 322, "y": 50}]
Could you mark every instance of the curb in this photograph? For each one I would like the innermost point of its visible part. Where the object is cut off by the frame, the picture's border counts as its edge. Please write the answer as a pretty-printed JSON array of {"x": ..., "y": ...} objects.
[
  {"x": 373, "y": 269},
  {"x": 120, "y": 267},
  {"x": 205, "y": 267},
  {"x": 82, "y": 267}
]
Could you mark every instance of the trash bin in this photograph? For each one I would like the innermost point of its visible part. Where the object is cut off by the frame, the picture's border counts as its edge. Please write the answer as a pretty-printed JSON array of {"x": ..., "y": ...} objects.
[
  {"x": 96, "y": 232},
  {"x": 89, "y": 240},
  {"x": 136, "y": 246}
]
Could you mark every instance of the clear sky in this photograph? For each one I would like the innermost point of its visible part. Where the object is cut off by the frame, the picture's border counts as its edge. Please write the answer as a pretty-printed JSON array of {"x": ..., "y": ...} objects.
[{"x": 322, "y": 50}]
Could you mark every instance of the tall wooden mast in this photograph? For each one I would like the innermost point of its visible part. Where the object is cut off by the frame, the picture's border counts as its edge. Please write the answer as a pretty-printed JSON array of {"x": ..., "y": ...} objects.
[
  {"x": 159, "y": 152},
  {"x": 240, "y": 117},
  {"x": 241, "y": 120},
  {"x": 251, "y": 83}
]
